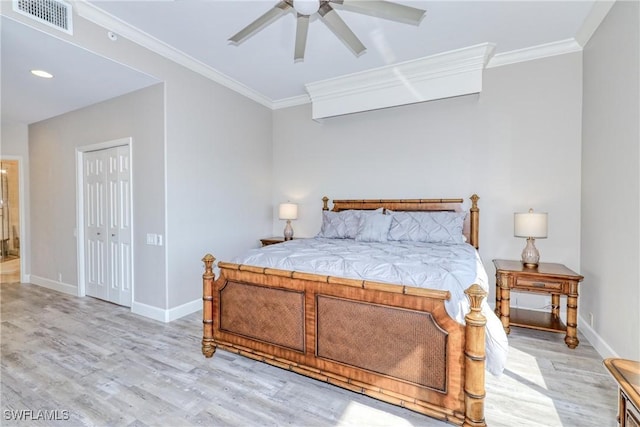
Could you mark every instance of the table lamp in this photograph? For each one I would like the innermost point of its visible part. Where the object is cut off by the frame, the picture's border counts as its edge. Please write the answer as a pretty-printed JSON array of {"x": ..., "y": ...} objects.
[
  {"x": 288, "y": 211},
  {"x": 532, "y": 225}
]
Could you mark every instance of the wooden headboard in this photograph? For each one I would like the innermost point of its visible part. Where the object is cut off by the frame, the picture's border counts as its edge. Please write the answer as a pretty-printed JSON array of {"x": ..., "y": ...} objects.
[{"x": 471, "y": 221}]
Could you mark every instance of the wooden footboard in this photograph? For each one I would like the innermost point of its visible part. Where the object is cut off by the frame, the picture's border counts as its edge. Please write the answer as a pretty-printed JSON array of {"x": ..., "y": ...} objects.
[{"x": 394, "y": 343}]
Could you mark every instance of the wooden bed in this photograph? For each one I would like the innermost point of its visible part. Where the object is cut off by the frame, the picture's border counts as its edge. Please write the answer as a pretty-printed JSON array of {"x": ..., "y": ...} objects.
[{"x": 391, "y": 342}]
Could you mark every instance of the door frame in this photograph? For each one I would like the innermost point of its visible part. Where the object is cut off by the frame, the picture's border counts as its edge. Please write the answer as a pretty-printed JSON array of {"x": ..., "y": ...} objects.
[
  {"x": 24, "y": 276},
  {"x": 79, "y": 232}
]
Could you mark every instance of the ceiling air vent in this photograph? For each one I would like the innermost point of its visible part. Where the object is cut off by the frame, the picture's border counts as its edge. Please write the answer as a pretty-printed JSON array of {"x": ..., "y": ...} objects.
[{"x": 55, "y": 13}]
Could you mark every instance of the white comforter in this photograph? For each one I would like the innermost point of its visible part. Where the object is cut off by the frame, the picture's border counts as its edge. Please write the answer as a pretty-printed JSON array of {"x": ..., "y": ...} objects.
[{"x": 452, "y": 267}]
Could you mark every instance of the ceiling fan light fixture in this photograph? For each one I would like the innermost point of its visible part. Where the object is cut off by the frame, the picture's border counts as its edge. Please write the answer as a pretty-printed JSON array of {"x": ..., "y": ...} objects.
[
  {"x": 42, "y": 73},
  {"x": 306, "y": 7}
]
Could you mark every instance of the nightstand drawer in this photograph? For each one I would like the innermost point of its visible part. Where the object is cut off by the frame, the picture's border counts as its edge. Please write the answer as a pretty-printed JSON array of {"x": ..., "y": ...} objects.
[{"x": 533, "y": 284}]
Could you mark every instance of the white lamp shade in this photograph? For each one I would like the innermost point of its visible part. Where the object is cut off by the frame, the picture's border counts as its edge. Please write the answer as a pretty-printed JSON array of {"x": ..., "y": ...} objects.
[
  {"x": 288, "y": 211},
  {"x": 530, "y": 224},
  {"x": 306, "y": 7}
]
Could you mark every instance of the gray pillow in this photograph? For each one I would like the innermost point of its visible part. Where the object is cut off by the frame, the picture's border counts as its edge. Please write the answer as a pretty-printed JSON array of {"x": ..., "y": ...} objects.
[
  {"x": 430, "y": 227},
  {"x": 374, "y": 228},
  {"x": 343, "y": 224}
]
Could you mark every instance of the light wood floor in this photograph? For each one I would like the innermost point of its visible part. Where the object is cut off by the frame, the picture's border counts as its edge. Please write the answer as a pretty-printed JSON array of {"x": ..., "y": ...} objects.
[
  {"x": 10, "y": 271},
  {"x": 107, "y": 366}
]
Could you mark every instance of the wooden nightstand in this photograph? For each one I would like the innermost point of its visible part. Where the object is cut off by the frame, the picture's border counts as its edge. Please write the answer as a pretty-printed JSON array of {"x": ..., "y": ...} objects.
[
  {"x": 549, "y": 279},
  {"x": 271, "y": 241},
  {"x": 627, "y": 375}
]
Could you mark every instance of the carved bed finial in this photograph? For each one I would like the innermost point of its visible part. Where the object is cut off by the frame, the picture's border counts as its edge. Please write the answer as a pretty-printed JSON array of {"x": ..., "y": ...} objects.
[
  {"x": 476, "y": 294},
  {"x": 208, "y": 263},
  {"x": 325, "y": 201},
  {"x": 474, "y": 202}
]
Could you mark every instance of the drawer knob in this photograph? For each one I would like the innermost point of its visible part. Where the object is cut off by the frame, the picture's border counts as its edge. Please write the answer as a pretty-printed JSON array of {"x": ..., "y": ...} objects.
[{"x": 538, "y": 284}]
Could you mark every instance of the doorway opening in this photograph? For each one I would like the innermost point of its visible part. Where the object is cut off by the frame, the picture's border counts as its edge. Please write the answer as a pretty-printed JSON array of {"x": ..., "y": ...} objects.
[{"x": 9, "y": 221}]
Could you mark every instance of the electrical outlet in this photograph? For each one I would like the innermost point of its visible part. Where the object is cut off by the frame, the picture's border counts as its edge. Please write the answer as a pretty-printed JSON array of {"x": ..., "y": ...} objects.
[
  {"x": 591, "y": 319},
  {"x": 60, "y": 277}
]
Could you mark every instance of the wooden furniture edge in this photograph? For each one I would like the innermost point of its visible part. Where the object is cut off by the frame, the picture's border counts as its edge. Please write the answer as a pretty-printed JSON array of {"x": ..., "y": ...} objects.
[
  {"x": 357, "y": 283},
  {"x": 208, "y": 346},
  {"x": 475, "y": 358},
  {"x": 614, "y": 370}
]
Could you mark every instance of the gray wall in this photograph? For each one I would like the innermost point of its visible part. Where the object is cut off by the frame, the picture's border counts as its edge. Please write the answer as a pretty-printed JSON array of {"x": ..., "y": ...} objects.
[
  {"x": 212, "y": 190},
  {"x": 610, "y": 251},
  {"x": 517, "y": 145},
  {"x": 218, "y": 179},
  {"x": 14, "y": 139},
  {"x": 52, "y": 145}
]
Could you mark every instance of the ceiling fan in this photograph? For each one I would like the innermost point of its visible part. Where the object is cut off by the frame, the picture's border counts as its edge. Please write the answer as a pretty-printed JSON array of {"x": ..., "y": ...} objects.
[{"x": 306, "y": 8}]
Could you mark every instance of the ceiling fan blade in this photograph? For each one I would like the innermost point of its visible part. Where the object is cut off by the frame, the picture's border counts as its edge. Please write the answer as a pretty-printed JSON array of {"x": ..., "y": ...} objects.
[
  {"x": 267, "y": 18},
  {"x": 344, "y": 33},
  {"x": 385, "y": 10},
  {"x": 302, "y": 29}
]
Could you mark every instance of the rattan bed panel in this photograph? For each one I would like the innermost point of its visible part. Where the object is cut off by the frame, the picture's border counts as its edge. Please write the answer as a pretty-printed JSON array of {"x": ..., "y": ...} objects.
[
  {"x": 400, "y": 343},
  {"x": 249, "y": 310}
]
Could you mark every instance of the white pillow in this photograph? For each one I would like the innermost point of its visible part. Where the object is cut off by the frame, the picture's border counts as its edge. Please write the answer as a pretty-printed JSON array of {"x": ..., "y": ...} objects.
[
  {"x": 343, "y": 224},
  {"x": 430, "y": 227},
  {"x": 374, "y": 228}
]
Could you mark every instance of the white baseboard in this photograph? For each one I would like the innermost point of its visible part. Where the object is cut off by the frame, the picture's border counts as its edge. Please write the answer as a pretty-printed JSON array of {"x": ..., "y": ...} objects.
[
  {"x": 600, "y": 345},
  {"x": 53, "y": 284},
  {"x": 184, "y": 309},
  {"x": 163, "y": 315},
  {"x": 139, "y": 308},
  {"x": 149, "y": 311}
]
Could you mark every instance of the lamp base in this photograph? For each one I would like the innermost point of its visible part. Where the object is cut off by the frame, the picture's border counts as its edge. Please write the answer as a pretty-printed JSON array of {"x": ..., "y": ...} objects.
[
  {"x": 288, "y": 231},
  {"x": 530, "y": 254}
]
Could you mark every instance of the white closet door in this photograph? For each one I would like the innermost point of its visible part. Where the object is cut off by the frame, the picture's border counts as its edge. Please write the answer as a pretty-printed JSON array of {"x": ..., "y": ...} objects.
[
  {"x": 95, "y": 231},
  {"x": 113, "y": 207},
  {"x": 119, "y": 222}
]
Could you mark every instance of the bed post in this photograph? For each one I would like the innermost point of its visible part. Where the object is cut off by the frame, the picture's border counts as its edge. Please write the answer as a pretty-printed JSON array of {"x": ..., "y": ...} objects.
[
  {"x": 325, "y": 205},
  {"x": 475, "y": 221},
  {"x": 474, "y": 353},
  {"x": 208, "y": 348}
]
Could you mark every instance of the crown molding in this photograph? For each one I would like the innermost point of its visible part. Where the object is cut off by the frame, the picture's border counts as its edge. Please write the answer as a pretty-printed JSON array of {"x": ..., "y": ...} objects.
[
  {"x": 291, "y": 102},
  {"x": 448, "y": 74},
  {"x": 98, "y": 16},
  {"x": 535, "y": 52},
  {"x": 598, "y": 12}
]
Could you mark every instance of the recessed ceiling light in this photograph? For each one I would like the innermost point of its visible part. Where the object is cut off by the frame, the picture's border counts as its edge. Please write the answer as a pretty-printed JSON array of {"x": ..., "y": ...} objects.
[{"x": 42, "y": 73}]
